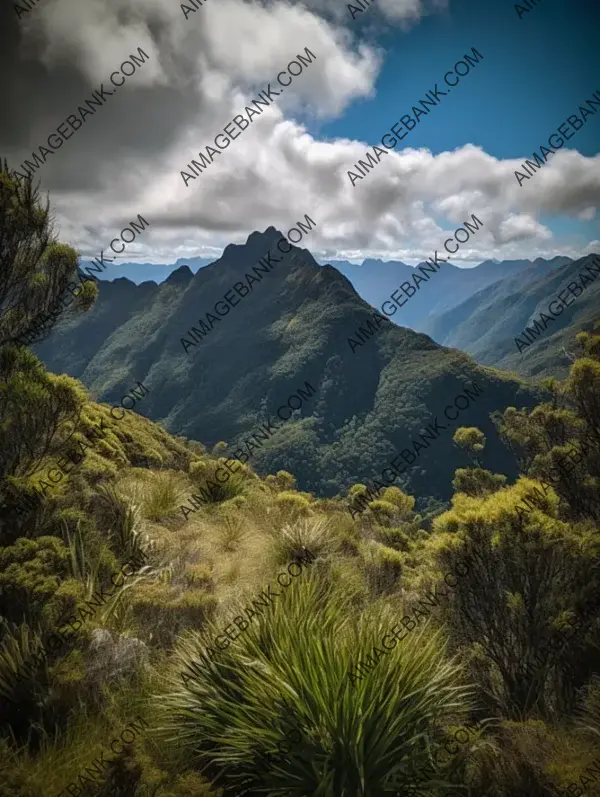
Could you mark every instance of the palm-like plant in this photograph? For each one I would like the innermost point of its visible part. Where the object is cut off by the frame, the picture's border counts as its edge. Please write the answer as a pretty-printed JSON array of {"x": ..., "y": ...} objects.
[{"x": 357, "y": 740}]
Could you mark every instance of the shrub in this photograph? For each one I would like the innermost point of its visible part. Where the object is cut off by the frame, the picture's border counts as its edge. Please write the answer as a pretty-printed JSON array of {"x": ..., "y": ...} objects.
[
  {"x": 281, "y": 481},
  {"x": 403, "y": 503},
  {"x": 394, "y": 538},
  {"x": 293, "y": 504},
  {"x": 383, "y": 511},
  {"x": 292, "y": 670},
  {"x": 382, "y": 566},
  {"x": 203, "y": 473}
]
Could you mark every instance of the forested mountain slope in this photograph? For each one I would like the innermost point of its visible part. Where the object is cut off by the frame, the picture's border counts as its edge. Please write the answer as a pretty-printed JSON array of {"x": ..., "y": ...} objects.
[
  {"x": 488, "y": 324},
  {"x": 375, "y": 280},
  {"x": 374, "y": 392}
]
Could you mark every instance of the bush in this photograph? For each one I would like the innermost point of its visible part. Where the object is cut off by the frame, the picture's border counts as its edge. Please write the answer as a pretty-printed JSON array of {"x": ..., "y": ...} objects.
[
  {"x": 382, "y": 566},
  {"x": 281, "y": 481},
  {"x": 293, "y": 504},
  {"x": 292, "y": 670},
  {"x": 203, "y": 473}
]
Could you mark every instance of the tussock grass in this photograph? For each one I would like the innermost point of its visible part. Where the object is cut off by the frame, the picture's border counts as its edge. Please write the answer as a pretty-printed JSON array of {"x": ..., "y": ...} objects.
[
  {"x": 228, "y": 713},
  {"x": 164, "y": 495}
]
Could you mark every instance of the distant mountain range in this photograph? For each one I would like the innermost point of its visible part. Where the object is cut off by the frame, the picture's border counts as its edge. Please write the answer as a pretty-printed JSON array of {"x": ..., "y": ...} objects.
[
  {"x": 372, "y": 400},
  {"x": 375, "y": 280},
  {"x": 487, "y": 323},
  {"x": 479, "y": 310},
  {"x": 148, "y": 272}
]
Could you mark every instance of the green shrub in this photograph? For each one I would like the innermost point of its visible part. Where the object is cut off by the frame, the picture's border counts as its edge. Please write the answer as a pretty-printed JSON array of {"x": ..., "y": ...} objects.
[
  {"x": 203, "y": 473},
  {"x": 293, "y": 504},
  {"x": 383, "y": 567},
  {"x": 292, "y": 669},
  {"x": 383, "y": 511},
  {"x": 281, "y": 481},
  {"x": 394, "y": 538}
]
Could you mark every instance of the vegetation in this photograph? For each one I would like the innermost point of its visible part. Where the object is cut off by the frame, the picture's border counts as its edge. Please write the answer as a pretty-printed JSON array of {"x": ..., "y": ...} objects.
[{"x": 509, "y": 647}]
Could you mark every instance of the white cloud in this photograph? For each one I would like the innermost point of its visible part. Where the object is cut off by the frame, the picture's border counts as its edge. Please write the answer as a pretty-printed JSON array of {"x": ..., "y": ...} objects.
[{"x": 214, "y": 63}]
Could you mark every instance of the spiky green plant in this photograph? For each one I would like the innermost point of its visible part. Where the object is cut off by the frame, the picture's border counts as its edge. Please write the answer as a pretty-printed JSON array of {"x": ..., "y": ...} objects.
[
  {"x": 81, "y": 565},
  {"x": 229, "y": 712},
  {"x": 18, "y": 653},
  {"x": 124, "y": 520},
  {"x": 290, "y": 541}
]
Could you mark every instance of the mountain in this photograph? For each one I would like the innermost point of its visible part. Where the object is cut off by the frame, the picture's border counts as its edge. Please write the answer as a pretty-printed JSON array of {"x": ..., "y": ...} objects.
[
  {"x": 298, "y": 324},
  {"x": 375, "y": 280},
  {"x": 145, "y": 272},
  {"x": 487, "y": 324}
]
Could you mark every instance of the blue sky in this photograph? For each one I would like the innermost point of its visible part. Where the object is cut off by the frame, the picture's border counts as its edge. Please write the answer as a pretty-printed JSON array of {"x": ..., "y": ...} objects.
[{"x": 550, "y": 54}]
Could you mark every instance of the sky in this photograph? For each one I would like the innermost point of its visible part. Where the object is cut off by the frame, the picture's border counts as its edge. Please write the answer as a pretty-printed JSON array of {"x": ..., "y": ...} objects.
[{"x": 536, "y": 68}]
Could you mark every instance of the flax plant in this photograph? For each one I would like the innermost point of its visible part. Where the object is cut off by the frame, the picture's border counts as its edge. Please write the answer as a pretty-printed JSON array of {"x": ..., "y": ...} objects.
[{"x": 226, "y": 714}]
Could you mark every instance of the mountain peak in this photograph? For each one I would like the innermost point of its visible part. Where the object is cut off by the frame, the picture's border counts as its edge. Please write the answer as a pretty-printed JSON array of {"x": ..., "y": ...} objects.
[
  {"x": 181, "y": 275},
  {"x": 269, "y": 233}
]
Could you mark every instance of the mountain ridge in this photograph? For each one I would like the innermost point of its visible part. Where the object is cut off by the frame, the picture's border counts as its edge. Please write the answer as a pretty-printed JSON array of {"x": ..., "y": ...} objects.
[{"x": 294, "y": 328}]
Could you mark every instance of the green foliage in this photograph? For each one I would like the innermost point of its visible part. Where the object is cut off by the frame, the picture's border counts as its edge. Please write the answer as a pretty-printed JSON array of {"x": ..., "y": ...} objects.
[
  {"x": 394, "y": 538},
  {"x": 404, "y": 503},
  {"x": 477, "y": 481},
  {"x": 524, "y": 577},
  {"x": 293, "y": 504},
  {"x": 281, "y": 481},
  {"x": 204, "y": 470},
  {"x": 37, "y": 409},
  {"x": 383, "y": 568},
  {"x": 31, "y": 574},
  {"x": 292, "y": 670},
  {"x": 34, "y": 268},
  {"x": 470, "y": 439}
]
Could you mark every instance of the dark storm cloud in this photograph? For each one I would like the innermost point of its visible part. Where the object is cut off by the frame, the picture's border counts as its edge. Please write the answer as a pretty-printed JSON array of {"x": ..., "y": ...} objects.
[{"x": 140, "y": 122}]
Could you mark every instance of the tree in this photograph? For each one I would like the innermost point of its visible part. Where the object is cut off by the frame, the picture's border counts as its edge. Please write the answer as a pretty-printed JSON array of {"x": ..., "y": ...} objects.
[
  {"x": 559, "y": 441},
  {"x": 35, "y": 269},
  {"x": 470, "y": 439},
  {"x": 526, "y": 578},
  {"x": 527, "y": 608}
]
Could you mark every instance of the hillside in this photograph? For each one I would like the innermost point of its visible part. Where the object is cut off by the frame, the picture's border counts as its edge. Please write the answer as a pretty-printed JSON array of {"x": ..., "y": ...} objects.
[
  {"x": 172, "y": 624},
  {"x": 299, "y": 325},
  {"x": 375, "y": 280},
  {"x": 487, "y": 324},
  {"x": 148, "y": 651}
]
